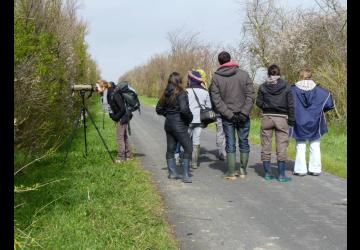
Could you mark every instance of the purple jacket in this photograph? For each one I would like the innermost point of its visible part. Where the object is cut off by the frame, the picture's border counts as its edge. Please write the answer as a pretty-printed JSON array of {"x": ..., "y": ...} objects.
[{"x": 310, "y": 122}]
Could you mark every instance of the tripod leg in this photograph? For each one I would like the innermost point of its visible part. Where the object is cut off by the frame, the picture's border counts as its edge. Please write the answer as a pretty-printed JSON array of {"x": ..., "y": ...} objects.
[
  {"x": 102, "y": 139},
  {"x": 103, "y": 119},
  {"x": 73, "y": 132},
  {"x": 84, "y": 122}
]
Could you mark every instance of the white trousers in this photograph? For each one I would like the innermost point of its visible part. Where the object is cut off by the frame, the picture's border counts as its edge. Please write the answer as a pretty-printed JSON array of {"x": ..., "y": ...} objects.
[
  {"x": 195, "y": 134},
  {"x": 314, "y": 158}
]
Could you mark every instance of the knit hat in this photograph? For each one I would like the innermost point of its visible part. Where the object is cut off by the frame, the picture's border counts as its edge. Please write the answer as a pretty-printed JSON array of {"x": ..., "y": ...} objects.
[
  {"x": 203, "y": 76},
  {"x": 197, "y": 77}
]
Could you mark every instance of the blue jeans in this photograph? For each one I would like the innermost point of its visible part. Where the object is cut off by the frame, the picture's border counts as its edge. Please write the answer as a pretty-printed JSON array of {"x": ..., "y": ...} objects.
[{"x": 242, "y": 133}]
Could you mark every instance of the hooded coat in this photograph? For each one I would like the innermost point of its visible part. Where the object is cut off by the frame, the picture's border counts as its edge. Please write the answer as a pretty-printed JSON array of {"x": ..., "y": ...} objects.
[
  {"x": 310, "y": 122},
  {"x": 231, "y": 91},
  {"x": 276, "y": 99},
  {"x": 176, "y": 110}
]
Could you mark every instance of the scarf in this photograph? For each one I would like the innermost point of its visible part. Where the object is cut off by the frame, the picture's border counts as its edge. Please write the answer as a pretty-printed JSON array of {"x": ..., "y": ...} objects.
[
  {"x": 305, "y": 84},
  {"x": 272, "y": 79},
  {"x": 229, "y": 64}
]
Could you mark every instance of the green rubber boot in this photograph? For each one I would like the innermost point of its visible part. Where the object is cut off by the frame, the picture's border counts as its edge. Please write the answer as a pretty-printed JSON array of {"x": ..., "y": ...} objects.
[
  {"x": 231, "y": 161},
  {"x": 244, "y": 158},
  {"x": 195, "y": 156}
]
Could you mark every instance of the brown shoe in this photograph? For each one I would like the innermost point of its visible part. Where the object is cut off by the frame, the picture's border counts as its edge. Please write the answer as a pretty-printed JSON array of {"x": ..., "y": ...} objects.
[
  {"x": 119, "y": 161},
  {"x": 230, "y": 178}
]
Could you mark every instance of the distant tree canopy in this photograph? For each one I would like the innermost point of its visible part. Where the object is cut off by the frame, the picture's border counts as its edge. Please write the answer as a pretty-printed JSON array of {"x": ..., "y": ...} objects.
[
  {"x": 293, "y": 39},
  {"x": 50, "y": 54},
  {"x": 186, "y": 53}
]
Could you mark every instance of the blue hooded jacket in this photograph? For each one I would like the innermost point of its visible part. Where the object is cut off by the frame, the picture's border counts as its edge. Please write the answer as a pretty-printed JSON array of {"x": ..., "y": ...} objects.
[{"x": 310, "y": 105}]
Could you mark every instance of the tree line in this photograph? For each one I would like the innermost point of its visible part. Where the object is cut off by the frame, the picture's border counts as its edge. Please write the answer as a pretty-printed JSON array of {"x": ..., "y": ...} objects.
[
  {"x": 293, "y": 39},
  {"x": 50, "y": 54}
]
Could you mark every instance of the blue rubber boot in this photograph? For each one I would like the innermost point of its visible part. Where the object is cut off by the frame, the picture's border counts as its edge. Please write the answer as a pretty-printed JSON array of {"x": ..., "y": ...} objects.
[
  {"x": 171, "y": 164},
  {"x": 267, "y": 170},
  {"x": 281, "y": 169},
  {"x": 185, "y": 165}
]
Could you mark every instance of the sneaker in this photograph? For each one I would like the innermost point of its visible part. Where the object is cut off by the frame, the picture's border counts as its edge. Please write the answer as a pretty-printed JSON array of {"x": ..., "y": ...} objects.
[{"x": 120, "y": 161}]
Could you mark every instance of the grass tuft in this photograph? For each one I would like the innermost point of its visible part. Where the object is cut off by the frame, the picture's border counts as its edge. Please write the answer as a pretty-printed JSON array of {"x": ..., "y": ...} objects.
[{"x": 92, "y": 203}]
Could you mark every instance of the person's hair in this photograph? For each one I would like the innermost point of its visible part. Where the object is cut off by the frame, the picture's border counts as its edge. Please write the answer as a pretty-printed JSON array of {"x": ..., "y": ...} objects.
[
  {"x": 305, "y": 74},
  {"x": 104, "y": 84},
  {"x": 273, "y": 70},
  {"x": 176, "y": 80},
  {"x": 224, "y": 57}
]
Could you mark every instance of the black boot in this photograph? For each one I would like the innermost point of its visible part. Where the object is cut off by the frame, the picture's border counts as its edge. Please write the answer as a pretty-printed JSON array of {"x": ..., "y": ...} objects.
[
  {"x": 281, "y": 169},
  {"x": 185, "y": 165},
  {"x": 267, "y": 170},
  {"x": 171, "y": 164}
]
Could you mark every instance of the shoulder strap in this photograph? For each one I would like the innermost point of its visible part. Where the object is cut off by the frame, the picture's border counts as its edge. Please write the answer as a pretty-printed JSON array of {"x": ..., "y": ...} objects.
[{"x": 197, "y": 99}]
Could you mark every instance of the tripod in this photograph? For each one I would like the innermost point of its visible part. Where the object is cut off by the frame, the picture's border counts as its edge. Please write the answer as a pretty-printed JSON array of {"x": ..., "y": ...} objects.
[{"x": 82, "y": 113}]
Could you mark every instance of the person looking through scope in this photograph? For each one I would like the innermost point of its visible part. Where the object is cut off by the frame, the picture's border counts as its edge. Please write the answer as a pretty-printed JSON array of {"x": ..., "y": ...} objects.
[{"x": 115, "y": 105}]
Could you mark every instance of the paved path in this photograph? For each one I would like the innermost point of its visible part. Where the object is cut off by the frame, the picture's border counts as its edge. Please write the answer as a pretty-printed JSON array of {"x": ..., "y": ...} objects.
[{"x": 213, "y": 213}]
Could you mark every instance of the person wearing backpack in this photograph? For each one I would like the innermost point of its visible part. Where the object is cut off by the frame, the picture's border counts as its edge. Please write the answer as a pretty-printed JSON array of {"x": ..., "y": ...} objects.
[
  {"x": 276, "y": 102},
  {"x": 311, "y": 102},
  {"x": 174, "y": 105},
  {"x": 120, "y": 115},
  {"x": 232, "y": 93},
  {"x": 198, "y": 97}
]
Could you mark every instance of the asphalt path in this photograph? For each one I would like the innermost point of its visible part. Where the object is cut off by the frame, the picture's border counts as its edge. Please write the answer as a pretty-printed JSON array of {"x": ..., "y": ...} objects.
[{"x": 213, "y": 213}]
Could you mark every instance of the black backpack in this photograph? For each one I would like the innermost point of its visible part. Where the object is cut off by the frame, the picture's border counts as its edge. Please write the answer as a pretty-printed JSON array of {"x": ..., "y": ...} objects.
[{"x": 128, "y": 94}]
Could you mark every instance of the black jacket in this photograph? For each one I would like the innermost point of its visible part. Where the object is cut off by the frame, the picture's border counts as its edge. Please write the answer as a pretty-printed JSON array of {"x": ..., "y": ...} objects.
[
  {"x": 276, "y": 99},
  {"x": 176, "y": 110},
  {"x": 118, "y": 108}
]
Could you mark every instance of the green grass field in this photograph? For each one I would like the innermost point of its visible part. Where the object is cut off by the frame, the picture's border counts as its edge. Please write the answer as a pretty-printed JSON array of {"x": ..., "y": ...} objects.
[
  {"x": 92, "y": 203},
  {"x": 333, "y": 144}
]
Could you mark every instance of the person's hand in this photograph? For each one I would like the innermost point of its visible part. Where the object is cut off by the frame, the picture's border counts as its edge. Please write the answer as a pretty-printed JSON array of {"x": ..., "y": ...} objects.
[
  {"x": 235, "y": 119},
  {"x": 291, "y": 123},
  {"x": 242, "y": 117}
]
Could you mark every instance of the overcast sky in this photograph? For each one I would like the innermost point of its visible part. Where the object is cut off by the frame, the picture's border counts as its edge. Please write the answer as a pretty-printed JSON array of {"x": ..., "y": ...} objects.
[{"x": 126, "y": 33}]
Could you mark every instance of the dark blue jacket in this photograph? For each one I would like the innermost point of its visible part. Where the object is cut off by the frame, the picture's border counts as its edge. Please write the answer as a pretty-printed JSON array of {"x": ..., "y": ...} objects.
[{"x": 310, "y": 123}]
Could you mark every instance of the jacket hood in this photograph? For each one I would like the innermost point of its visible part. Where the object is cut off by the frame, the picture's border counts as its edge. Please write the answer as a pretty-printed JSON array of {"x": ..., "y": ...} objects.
[
  {"x": 275, "y": 89},
  {"x": 227, "y": 71},
  {"x": 306, "y": 98}
]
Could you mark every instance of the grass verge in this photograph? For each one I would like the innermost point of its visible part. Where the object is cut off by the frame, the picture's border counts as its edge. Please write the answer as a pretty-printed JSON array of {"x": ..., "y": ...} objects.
[
  {"x": 333, "y": 144},
  {"x": 92, "y": 203},
  {"x": 333, "y": 147},
  {"x": 152, "y": 101}
]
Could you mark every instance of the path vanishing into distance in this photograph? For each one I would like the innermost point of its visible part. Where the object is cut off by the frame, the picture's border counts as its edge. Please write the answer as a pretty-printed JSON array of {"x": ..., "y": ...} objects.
[{"x": 213, "y": 213}]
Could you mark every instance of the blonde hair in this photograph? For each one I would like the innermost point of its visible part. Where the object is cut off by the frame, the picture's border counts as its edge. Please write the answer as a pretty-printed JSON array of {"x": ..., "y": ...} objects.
[
  {"x": 305, "y": 74},
  {"x": 104, "y": 84}
]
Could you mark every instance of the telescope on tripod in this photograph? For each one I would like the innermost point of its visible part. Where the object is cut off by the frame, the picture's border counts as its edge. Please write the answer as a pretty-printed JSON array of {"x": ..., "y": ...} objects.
[{"x": 83, "y": 112}]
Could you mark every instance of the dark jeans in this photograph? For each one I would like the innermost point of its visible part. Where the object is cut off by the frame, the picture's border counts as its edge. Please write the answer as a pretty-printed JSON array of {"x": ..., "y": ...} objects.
[
  {"x": 242, "y": 133},
  {"x": 184, "y": 139}
]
